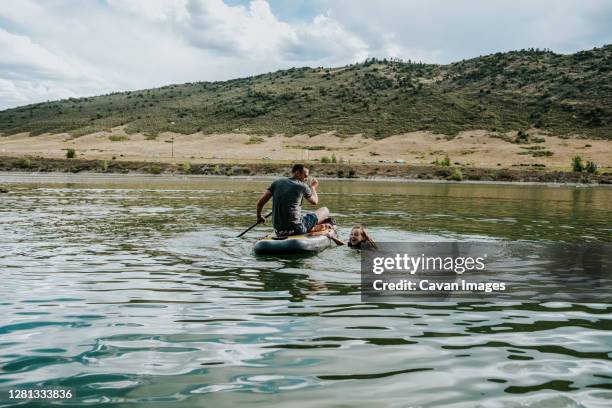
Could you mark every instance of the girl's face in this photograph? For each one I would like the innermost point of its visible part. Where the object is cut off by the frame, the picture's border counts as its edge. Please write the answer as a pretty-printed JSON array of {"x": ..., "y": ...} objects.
[{"x": 356, "y": 236}]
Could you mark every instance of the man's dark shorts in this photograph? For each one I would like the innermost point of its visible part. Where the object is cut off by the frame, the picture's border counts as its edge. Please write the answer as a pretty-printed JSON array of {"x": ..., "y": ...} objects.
[{"x": 309, "y": 220}]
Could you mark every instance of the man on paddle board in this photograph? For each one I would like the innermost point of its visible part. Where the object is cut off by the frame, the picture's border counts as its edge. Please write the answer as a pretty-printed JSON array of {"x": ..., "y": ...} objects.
[{"x": 287, "y": 194}]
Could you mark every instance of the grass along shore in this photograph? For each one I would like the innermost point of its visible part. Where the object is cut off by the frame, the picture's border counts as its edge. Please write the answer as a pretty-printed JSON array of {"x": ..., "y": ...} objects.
[{"x": 335, "y": 170}]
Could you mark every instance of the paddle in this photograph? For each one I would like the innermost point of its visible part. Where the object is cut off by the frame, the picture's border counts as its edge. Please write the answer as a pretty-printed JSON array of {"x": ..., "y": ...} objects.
[{"x": 253, "y": 226}]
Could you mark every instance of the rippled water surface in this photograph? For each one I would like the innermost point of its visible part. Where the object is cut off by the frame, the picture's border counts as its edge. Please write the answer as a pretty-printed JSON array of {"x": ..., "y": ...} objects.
[{"x": 133, "y": 291}]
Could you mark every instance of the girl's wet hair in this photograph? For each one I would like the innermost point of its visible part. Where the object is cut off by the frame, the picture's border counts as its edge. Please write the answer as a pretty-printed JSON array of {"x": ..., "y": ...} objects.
[{"x": 366, "y": 237}]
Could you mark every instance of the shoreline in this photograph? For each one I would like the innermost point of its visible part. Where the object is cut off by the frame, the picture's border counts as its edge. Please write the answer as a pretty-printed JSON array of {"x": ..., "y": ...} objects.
[
  {"x": 55, "y": 177},
  {"x": 362, "y": 172}
]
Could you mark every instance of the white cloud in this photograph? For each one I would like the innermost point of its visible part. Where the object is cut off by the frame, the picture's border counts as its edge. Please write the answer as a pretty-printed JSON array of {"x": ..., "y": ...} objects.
[
  {"x": 248, "y": 32},
  {"x": 30, "y": 72},
  {"x": 323, "y": 39},
  {"x": 444, "y": 31},
  {"x": 160, "y": 10},
  {"x": 20, "y": 11},
  {"x": 16, "y": 92},
  {"x": 63, "y": 48},
  {"x": 22, "y": 58}
]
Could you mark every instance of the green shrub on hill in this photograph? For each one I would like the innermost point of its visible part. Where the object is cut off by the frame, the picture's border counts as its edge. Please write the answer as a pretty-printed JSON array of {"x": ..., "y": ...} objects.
[
  {"x": 591, "y": 167},
  {"x": 118, "y": 138},
  {"x": 154, "y": 169},
  {"x": 446, "y": 161},
  {"x": 457, "y": 175},
  {"x": 577, "y": 164},
  {"x": 25, "y": 163},
  {"x": 255, "y": 140}
]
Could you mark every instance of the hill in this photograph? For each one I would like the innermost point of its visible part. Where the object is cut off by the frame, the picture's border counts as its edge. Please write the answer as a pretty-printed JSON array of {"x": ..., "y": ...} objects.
[{"x": 562, "y": 94}]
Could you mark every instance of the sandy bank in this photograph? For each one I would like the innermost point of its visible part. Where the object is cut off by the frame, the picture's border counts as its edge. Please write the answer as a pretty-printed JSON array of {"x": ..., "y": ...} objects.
[{"x": 474, "y": 148}]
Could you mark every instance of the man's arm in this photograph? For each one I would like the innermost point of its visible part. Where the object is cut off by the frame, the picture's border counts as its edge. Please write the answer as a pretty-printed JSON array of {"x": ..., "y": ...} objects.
[
  {"x": 314, "y": 198},
  {"x": 265, "y": 197}
]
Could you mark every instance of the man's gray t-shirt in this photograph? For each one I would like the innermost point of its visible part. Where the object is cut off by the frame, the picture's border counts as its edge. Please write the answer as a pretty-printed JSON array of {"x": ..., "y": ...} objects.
[{"x": 287, "y": 194}]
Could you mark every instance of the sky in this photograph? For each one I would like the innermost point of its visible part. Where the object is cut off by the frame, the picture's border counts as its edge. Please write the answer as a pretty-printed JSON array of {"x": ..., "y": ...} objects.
[{"x": 55, "y": 49}]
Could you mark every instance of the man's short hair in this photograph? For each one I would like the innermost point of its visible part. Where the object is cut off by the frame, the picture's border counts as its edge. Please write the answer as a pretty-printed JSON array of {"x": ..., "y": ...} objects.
[{"x": 297, "y": 167}]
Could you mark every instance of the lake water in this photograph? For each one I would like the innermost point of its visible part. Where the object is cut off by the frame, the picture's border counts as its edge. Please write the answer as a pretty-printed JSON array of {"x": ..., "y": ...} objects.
[{"x": 133, "y": 291}]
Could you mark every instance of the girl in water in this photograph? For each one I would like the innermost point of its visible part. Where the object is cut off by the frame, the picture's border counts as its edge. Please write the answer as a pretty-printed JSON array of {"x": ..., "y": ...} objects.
[{"x": 359, "y": 238}]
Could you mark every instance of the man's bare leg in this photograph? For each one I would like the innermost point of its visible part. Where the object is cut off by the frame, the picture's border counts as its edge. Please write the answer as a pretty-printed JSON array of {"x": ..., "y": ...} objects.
[{"x": 322, "y": 214}]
